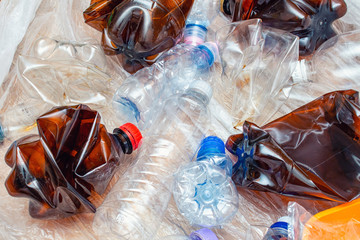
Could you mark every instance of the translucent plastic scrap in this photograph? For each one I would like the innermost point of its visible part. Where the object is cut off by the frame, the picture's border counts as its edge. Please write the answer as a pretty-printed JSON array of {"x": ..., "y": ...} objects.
[
  {"x": 72, "y": 159},
  {"x": 311, "y": 152},
  {"x": 54, "y": 49},
  {"x": 310, "y": 20},
  {"x": 336, "y": 63},
  {"x": 63, "y": 72},
  {"x": 257, "y": 65},
  {"x": 204, "y": 194},
  {"x": 138, "y": 30}
]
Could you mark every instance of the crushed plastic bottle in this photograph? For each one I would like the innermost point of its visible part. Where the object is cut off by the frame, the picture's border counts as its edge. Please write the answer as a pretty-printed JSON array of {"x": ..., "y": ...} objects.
[
  {"x": 201, "y": 234},
  {"x": 73, "y": 158},
  {"x": 203, "y": 190},
  {"x": 311, "y": 152},
  {"x": 278, "y": 230},
  {"x": 136, "y": 204},
  {"x": 310, "y": 20},
  {"x": 138, "y": 30},
  {"x": 182, "y": 65}
]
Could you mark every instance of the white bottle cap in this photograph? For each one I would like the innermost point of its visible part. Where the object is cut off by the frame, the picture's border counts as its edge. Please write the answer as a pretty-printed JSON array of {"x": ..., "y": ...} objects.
[{"x": 202, "y": 87}]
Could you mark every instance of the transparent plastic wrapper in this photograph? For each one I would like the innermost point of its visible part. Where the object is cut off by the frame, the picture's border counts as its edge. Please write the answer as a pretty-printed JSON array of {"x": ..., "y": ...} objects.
[
  {"x": 56, "y": 73},
  {"x": 72, "y": 159},
  {"x": 334, "y": 66},
  {"x": 75, "y": 70},
  {"x": 136, "y": 205},
  {"x": 310, "y": 20},
  {"x": 138, "y": 30},
  {"x": 311, "y": 152},
  {"x": 12, "y": 31},
  {"x": 257, "y": 65}
]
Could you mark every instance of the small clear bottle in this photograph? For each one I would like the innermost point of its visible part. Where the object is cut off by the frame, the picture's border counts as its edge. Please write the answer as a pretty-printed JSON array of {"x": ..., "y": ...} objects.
[
  {"x": 279, "y": 230},
  {"x": 138, "y": 94},
  {"x": 136, "y": 204},
  {"x": 203, "y": 191}
]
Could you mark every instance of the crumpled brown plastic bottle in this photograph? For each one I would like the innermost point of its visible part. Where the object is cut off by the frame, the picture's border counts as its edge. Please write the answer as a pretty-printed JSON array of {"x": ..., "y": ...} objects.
[
  {"x": 312, "y": 152},
  {"x": 310, "y": 20},
  {"x": 138, "y": 30},
  {"x": 73, "y": 158}
]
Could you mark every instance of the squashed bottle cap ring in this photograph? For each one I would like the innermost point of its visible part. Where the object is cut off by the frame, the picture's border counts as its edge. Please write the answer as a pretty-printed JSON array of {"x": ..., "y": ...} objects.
[
  {"x": 204, "y": 234},
  {"x": 133, "y": 133}
]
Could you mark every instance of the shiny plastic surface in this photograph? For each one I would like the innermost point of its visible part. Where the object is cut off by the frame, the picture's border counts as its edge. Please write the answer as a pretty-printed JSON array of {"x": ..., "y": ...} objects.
[
  {"x": 311, "y": 152},
  {"x": 257, "y": 65},
  {"x": 137, "y": 203},
  {"x": 72, "y": 159},
  {"x": 139, "y": 30},
  {"x": 139, "y": 94},
  {"x": 205, "y": 194},
  {"x": 341, "y": 222},
  {"x": 310, "y": 20}
]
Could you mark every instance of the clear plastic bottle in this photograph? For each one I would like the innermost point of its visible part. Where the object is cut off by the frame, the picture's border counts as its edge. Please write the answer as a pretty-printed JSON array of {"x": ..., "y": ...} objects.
[
  {"x": 201, "y": 234},
  {"x": 201, "y": 15},
  {"x": 20, "y": 118},
  {"x": 203, "y": 190},
  {"x": 279, "y": 230},
  {"x": 136, "y": 204},
  {"x": 142, "y": 91}
]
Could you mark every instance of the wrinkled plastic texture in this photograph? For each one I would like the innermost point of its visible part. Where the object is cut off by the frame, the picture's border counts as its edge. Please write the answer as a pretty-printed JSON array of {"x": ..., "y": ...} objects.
[
  {"x": 139, "y": 30},
  {"x": 139, "y": 94},
  {"x": 205, "y": 194},
  {"x": 13, "y": 29},
  {"x": 257, "y": 65},
  {"x": 65, "y": 18},
  {"x": 310, "y": 20},
  {"x": 72, "y": 159},
  {"x": 311, "y": 152},
  {"x": 54, "y": 73},
  {"x": 136, "y": 204}
]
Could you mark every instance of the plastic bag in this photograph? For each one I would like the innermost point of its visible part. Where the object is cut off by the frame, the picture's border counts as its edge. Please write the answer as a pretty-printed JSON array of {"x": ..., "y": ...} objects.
[
  {"x": 13, "y": 28},
  {"x": 312, "y": 152},
  {"x": 257, "y": 65}
]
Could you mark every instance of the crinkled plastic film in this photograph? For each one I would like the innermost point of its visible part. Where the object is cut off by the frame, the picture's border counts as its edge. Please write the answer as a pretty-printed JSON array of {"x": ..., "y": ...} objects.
[
  {"x": 63, "y": 20},
  {"x": 257, "y": 65}
]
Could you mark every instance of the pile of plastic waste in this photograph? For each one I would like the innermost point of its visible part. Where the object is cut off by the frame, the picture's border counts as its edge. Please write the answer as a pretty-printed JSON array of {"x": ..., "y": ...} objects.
[{"x": 232, "y": 119}]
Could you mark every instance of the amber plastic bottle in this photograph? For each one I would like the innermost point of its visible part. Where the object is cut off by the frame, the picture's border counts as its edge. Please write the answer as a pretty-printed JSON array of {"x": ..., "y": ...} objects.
[
  {"x": 139, "y": 30},
  {"x": 74, "y": 158},
  {"x": 312, "y": 152},
  {"x": 310, "y": 20}
]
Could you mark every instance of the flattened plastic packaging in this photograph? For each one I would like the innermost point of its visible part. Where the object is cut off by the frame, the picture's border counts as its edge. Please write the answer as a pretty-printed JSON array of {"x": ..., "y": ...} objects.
[{"x": 312, "y": 152}]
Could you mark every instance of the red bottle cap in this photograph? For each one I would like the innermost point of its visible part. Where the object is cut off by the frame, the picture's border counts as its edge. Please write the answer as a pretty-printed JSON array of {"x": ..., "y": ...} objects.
[{"x": 133, "y": 133}]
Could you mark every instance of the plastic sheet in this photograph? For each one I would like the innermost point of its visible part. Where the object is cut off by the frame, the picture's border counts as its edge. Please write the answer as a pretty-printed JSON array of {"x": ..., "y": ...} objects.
[
  {"x": 311, "y": 152},
  {"x": 13, "y": 29},
  {"x": 257, "y": 62}
]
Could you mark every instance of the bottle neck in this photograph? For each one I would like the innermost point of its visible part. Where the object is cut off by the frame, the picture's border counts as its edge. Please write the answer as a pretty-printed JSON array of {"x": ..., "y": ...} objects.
[
  {"x": 123, "y": 140},
  {"x": 195, "y": 34}
]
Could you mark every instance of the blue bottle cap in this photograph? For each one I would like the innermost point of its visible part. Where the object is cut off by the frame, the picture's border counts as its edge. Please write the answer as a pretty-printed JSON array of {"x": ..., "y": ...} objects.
[
  {"x": 211, "y": 50},
  {"x": 211, "y": 145},
  {"x": 203, "y": 234}
]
